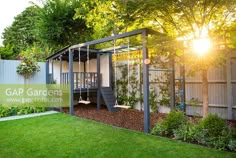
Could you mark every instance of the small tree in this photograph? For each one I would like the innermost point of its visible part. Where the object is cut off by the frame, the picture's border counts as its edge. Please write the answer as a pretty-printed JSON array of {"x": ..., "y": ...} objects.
[
  {"x": 27, "y": 67},
  {"x": 193, "y": 20}
]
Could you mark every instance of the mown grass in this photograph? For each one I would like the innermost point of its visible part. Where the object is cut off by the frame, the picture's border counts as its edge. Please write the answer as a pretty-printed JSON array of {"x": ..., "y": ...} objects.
[{"x": 60, "y": 135}]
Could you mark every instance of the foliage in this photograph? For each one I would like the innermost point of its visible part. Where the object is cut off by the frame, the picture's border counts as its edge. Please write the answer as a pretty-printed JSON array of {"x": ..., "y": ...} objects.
[
  {"x": 56, "y": 26},
  {"x": 173, "y": 121},
  {"x": 19, "y": 110},
  {"x": 127, "y": 96},
  {"x": 199, "y": 19},
  {"x": 193, "y": 102},
  {"x": 232, "y": 145},
  {"x": 6, "y": 52},
  {"x": 108, "y": 17},
  {"x": 213, "y": 125},
  {"x": 21, "y": 34},
  {"x": 50, "y": 26},
  {"x": 153, "y": 100},
  {"x": 160, "y": 60},
  {"x": 232, "y": 36},
  {"x": 187, "y": 132},
  {"x": 37, "y": 53},
  {"x": 27, "y": 67},
  {"x": 211, "y": 131}
]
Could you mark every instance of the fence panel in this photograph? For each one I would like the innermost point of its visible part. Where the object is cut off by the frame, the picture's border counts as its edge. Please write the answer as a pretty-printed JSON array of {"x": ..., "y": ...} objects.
[{"x": 8, "y": 74}]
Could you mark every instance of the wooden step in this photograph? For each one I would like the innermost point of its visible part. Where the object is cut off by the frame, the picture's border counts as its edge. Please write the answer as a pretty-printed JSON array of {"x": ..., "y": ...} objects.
[{"x": 109, "y": 98}]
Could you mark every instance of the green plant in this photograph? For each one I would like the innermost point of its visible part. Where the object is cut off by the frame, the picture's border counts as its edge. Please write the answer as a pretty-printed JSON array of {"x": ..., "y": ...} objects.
[
  {"x": 222, "y": 141},
  {"x": 19, "y": 110},
  {"x": 35, "y": 52},
  {"x": 27, "y": 67},
  {"x": 187, "y": 132},
  {"x": 213, "y": 131},
  {"x": 160, "y": 129},
  {"x": 125, "y": 95},
  {"x": 153, "y": 100},
  {"x": 194, "y": 101},
  {"x": 232, "y": 145},
  {"x": 214, "y": 125},
  {"x": 4, "y": 111},
  {"x": 173, "y": 121}
]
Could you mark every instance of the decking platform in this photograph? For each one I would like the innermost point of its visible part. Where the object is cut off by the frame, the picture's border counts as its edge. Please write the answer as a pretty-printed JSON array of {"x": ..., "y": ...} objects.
[{"x": 84, "y": 90}]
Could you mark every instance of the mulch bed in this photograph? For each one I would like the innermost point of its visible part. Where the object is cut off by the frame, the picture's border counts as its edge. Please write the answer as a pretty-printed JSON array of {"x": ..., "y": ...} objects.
[{"x": 125, "y": 118}]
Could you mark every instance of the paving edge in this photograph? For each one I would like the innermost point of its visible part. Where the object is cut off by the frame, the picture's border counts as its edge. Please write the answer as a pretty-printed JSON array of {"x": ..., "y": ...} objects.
[{"x": 27, "y": 116}]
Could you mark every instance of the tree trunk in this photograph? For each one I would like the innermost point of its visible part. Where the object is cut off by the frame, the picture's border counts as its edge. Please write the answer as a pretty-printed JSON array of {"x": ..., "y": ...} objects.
[{"x": 204, "y": 93}]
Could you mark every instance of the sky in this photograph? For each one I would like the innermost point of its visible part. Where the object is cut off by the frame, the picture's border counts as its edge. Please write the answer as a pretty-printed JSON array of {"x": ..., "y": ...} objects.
[{"x": 9, "y": 9}]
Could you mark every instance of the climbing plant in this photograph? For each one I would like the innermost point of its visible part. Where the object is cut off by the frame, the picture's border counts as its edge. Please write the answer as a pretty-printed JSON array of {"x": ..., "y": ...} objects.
[
  {"x": 131, "y": 79},
  {"x": 163, "y": 80},
  {"x": 124, "y": 96}
]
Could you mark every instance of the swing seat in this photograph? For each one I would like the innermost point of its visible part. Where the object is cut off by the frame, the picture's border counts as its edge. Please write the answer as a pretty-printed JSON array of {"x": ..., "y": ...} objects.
[
  {"x": 81, "y": 101},
  {"x": 122, "y": 106},
  {"x": 84, "y": 102}
]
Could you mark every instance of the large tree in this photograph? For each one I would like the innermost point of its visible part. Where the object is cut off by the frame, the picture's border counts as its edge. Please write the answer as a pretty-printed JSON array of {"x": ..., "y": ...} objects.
[
  {"x": 109, "y": 17},
  {"x": 181, "y": 19},
  {"x": 21, "y": 33},
  {"x": 56, "y": 25},
  {"x": 194, "y": 20},
  {"x": 49, "y": 26}
]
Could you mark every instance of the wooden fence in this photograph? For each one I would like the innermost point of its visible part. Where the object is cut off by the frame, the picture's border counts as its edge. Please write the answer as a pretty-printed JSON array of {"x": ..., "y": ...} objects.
[{"x": 8, "y": 73}]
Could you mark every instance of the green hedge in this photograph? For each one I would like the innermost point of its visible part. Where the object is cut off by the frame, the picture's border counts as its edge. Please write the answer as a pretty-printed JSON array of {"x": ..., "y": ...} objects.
[{"x": 19, "y": 110}]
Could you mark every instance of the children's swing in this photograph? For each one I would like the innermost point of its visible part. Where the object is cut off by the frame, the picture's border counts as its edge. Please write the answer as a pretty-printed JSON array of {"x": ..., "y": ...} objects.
[
  {"x": 116, "y": 103},
  {"x": 80, "y": 98}
]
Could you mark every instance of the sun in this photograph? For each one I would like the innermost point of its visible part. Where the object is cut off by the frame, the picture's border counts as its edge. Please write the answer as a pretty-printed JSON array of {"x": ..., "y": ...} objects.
[{"x": 201, "y": 46}]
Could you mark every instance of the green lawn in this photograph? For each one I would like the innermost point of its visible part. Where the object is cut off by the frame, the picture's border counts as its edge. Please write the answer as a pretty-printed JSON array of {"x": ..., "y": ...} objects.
[{"x": 60, "y": 135}]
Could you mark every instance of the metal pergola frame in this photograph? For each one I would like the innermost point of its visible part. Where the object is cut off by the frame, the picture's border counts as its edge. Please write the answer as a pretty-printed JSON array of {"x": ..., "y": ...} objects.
[{"x": 71, "y": 51}]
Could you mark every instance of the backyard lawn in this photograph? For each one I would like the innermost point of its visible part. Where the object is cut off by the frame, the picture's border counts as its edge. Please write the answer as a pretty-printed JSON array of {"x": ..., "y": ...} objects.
[{"x": 60, "y": 135}]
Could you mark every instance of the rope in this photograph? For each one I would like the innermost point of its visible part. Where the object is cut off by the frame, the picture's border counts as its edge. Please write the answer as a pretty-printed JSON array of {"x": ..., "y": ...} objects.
[
  {"x": 80, "y": 97},
  {"x": 115, "y": 75},
  {"x": 128, "y": 70}
]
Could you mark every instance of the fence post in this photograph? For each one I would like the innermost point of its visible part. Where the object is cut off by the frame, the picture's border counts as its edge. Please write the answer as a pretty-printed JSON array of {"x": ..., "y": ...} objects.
[{"x": 229, "y": 88}]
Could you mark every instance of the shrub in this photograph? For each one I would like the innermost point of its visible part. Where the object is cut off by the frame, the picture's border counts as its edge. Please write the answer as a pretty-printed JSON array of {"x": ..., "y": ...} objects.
[
  {"x": 173, "y": 121},
  {"x": 187, "y": 132},
  {"x": 213, "y": 131},
  {"x": 221, "y": 142},
  {"x": 160, "y": 129},
  {"x": 4, "y": 111},
  {"x": 14, "y": 110},
  {"x": 214, "y": 125}
]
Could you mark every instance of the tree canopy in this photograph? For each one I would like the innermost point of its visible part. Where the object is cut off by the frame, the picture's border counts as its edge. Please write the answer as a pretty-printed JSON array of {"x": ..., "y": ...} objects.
[
  {"x": 60, "y": 22},
  {"x": 56, "y": 25},
  {"x": 21, "y": 34},
  {"x": 50, "y": 27}
]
